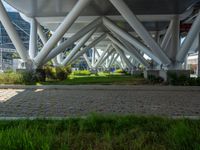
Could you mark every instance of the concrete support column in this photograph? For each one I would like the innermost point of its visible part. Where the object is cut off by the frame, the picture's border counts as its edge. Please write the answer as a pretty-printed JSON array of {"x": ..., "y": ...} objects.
[
  {"x": 12, "y": 33},
  {"x": 61, "y": 30},
  {"x": 130, "y": 17},
  {"x": 33, "y": 38},
  {"x": 175, "y": 41}
]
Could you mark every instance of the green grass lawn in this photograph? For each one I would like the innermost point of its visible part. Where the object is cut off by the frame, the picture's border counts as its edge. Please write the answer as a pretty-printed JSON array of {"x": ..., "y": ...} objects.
[
  {"x": 101, "y": 133},
  {"x": 101, "y": 79}
]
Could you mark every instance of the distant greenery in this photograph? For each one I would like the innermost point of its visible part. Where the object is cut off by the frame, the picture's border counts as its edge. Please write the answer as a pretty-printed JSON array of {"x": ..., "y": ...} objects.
[
  {"x": 102, "y": 78},
  {"x": 40, "y": 75},
  {"x": 101, "y": 133},
  {"x": 81, "y": 73},
  {"x": 16, "y": 78}
]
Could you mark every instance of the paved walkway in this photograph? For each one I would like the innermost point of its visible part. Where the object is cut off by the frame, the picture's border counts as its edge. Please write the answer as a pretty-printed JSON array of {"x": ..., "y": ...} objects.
[{"x": 63, "y": 101}]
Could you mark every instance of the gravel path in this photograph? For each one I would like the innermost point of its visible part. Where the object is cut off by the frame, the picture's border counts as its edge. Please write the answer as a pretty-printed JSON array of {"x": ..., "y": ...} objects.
[{"x": 63, "y": 101}]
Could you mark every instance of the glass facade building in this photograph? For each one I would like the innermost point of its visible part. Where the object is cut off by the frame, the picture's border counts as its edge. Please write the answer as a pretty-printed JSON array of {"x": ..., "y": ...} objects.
[{"x": 7, "y": 49}]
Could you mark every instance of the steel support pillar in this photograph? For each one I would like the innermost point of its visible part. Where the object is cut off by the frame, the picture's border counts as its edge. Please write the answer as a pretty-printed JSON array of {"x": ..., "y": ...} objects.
[
  {"x": 105, "y": 57},
  {"x": 130, "y": 49},
  {"x": 167, "y": 37},
  {"x": 73, "y": 39},
  {"x": 95, "y": 42},
  {"x": 175, "y": 41},
  {"x": 111, "y": 60},
  {"x": 59, "y": 56},
  {"x": 102, "y": 56},
  {"x": 114, "y": 28},
  {"x": 130, "y": 17},
  {"x": 185, "y": 47},
  {"x": 12, "y": 33},
  {"x": 77, "y": 47},
  {"x": 61, "y": 30},
  {"x": 41, "y": 34},
  {"x": 122, "y": 54},
  {"x": 115, "y": 59},
  {"x": 87, "y": 61},
  {"x": 33, "y": 39},
  {"x": 93, "y": 56}
]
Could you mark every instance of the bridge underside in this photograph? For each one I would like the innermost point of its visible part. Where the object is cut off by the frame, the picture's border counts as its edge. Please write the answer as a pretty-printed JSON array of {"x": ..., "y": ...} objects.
[{"x": 124, "y": 30}]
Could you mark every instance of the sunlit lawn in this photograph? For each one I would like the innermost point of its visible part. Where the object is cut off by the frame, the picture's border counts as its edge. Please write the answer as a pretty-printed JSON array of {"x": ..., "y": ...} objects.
[{"x": 101, "y": 78}]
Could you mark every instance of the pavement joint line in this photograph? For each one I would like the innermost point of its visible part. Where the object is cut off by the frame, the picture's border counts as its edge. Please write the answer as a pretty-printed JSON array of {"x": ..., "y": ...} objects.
[{"x": 85, "y": 117}]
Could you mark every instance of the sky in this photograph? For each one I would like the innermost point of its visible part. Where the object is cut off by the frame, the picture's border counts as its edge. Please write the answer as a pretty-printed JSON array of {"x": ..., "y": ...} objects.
[{"x": 8, "y": 7}]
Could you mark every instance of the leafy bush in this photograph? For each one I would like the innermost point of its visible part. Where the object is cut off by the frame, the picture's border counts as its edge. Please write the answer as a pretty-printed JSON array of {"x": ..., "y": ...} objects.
[
  {"x": 50, "y": 72},
  {"x": 61, "y": 73},
  {"x": 153, "y": 79},
  {"x": 183, "y": 80},
  {"x": 82, "y": 73},
  {"x": 40, "y": 75},
  {"x": 17, "y": 78},
  {"x": 57, "y": 73}
]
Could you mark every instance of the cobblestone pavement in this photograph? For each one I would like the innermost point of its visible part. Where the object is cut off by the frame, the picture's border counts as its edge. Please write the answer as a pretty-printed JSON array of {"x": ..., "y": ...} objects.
[{"x": 63, "y": 101}]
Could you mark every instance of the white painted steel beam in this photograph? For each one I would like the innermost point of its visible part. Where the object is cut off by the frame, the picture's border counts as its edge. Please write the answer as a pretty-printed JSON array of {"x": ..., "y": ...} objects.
[
  {"x": 122, "y": 54},
  {"x": 33, "y": 39},
  {"x": 109, "y": 52},
  {"x": 77, "y": 47},
  {"x": 111, "y": 60},
  {"x": 61, "y": 30},
  {"x": 185, "y": 47},
  {"x": 126, "y": 46},
  {"x": 95, "y": 42},
  {"x": 73, "y": 39},
  {"x": 130, "y": 17},
  {"x": 167, "y": 37},
  {"x": 102, "y": 56},
  {"x": 87, "y": 61},
  {"x": 114, "y": 28},
  {"x": 116, "y": 57},
  {"x": 41, "y": 34},
  {"x": 12, "y": 33}
]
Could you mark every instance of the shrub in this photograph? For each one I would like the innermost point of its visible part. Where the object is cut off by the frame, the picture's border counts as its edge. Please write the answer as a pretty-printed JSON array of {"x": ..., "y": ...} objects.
[
  {"x": 50, "y": 72},
  {"x": 17, "y": 78},
  {"x": 61, "y": 73},
  {"x": 40, "y": 75},
  {"x": 57, "y": 73},
  {"x": 153, "y": 79}
]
